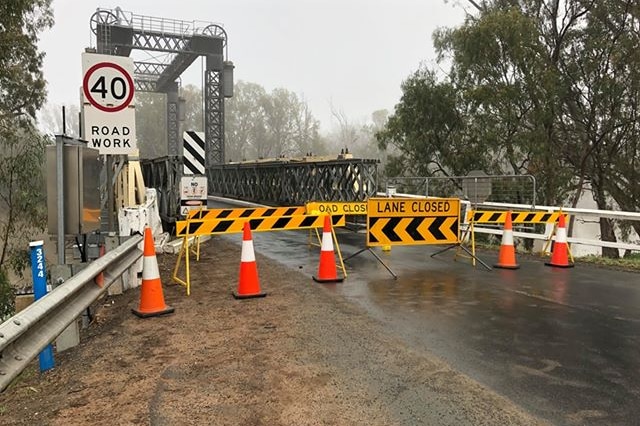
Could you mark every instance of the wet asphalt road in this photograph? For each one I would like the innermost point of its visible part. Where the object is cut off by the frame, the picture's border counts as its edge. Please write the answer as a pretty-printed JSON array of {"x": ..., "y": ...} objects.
[{"x": 564, "y": 344}]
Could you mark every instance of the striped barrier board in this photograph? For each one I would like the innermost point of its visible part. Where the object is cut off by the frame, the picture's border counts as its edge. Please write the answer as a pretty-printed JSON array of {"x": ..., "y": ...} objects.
[
  {"x": 499, "y": 217},
  {"x": 209, "y": 214},
  {"x": 193, "y": 153},
  {"x": 273, "y": 223}
]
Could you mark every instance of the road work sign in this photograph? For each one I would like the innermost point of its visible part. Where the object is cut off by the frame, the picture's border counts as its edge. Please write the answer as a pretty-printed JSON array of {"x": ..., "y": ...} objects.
[
  {"x": 108, "y": 104},
  {"x": 393, "y": 221},
  {"x": 337, "y": 208}
]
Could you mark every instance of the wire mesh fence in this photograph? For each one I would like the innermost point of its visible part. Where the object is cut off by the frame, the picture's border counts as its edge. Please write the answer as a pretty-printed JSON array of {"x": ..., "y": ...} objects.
[{"x": 515, "y": 189}]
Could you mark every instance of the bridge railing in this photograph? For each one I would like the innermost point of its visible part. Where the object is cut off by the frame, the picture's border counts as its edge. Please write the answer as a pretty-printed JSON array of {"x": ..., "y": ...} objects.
[
  {"x": 582, "y": 216},
  {"x": 28, "y": 332}
]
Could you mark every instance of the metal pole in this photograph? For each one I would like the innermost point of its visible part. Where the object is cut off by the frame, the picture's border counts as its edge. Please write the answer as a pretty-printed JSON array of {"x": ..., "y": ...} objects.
[
  {"x": 109, "y": 188},
  {"x": 60, "y": 192}
]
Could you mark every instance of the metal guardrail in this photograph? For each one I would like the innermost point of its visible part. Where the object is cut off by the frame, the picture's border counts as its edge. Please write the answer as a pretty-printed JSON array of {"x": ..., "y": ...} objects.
[
  {"x": 27, "y": 333},
  {"x": 590, "y": 213}
]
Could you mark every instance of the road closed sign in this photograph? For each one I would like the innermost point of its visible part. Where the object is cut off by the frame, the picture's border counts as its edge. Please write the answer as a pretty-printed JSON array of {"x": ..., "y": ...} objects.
[{"x": 109, "y": 103}]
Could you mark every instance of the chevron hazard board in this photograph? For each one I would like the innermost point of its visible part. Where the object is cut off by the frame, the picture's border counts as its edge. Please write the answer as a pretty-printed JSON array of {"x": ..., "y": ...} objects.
[
  {"x": 209, "y": 214},
  {"x": 393, "y": 221},
  {"x": 193, "y": 153},
  {"x": 499, "y": 217},
  {"x": 274, "y": 223}
]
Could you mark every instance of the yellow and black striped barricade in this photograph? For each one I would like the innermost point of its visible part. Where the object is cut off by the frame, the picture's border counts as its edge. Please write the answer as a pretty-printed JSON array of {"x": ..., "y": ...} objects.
[
  {"x": 258, "y": 224},
  {"x": 198, "y": 227},
  {"x": 253, "y": 212},
  {"x": 517, "y": 217},
  {"x": 475, "y": 217}
]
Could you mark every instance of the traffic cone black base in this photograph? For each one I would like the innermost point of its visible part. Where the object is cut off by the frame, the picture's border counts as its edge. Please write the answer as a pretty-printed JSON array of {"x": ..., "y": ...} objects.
[
  {"x": 167, "y": 311},
  {"x": 325, "y": 281},
  {"x": 571, "y": 265},
  {"x": 497, "y": 265},
  {"x": 248, "y": 296}
]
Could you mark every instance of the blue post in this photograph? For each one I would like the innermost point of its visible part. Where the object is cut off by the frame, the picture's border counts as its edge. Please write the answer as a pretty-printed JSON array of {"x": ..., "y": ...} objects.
[{"x": 39, "y": 274}]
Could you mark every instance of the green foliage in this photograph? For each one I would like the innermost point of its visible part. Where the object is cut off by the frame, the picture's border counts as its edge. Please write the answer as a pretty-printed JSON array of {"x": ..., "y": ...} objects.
[
  {"x": 7, "y": 297},
  {"x": 428, "y": 131},
  {"x": 22, "y": 85},
  {"x": 22, "y": 93},
  {"x": 535, "y": 87},
  {"x": 259, "y": 124}
]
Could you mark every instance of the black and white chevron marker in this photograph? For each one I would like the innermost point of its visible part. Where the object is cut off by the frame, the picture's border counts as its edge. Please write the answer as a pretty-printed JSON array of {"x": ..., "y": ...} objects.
[{"x": 193, "y": 154}]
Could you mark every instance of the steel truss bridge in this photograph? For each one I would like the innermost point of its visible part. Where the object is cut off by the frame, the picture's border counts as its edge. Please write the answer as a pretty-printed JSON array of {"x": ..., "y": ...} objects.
[{"x": 278, "y": 182}]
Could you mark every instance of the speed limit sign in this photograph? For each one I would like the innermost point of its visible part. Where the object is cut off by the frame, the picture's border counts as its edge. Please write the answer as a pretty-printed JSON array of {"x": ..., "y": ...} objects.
[{"x": 108, "y": 104}]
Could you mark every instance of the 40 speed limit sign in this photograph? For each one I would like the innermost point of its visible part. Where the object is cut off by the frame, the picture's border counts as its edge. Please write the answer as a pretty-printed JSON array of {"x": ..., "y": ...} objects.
[{"x": 108, "y": 103}]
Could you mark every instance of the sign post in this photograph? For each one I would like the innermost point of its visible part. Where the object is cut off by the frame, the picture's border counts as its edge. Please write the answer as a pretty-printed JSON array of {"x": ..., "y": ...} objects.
[
  {"x": 39, "y": 274},
  {"x": 108, "y": 103}
]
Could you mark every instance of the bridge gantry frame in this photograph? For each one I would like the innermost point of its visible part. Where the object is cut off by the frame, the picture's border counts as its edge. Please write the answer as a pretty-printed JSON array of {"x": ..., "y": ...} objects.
[
  {"x": 277, "y": 182},
  {"x": 118, "y": 33}
]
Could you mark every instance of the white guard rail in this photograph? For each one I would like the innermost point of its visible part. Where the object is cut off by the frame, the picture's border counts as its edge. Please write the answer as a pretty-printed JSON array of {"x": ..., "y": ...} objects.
[
  {"x": 581, "y": 213},
  {"x": 25, "y": 335}
]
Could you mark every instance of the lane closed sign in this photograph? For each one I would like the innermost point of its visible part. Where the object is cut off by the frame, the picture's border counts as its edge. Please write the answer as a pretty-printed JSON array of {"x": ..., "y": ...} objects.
[{"x": 109, "y": 103}]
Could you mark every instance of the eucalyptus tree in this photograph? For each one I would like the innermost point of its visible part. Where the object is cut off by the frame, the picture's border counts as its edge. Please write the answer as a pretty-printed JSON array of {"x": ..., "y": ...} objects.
[
  {"x": 261, "y": 124},
  {"x": 22, "y": 93}
]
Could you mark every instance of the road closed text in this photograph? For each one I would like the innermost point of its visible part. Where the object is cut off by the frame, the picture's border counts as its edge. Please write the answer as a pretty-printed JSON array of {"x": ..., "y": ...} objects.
[
  {"x": 337, "y": 208},
  {"x": 384, "y": 207}
]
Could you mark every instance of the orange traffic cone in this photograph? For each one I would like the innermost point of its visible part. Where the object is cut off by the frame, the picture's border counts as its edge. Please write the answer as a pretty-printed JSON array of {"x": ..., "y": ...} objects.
[
  {"x": 507, "y": 254},
  {"x": 559, "y": 253},
  {"x": 151, "y": 296},
  {"x": 248, "y": 284},
  {"x": 327, "y": 271}
]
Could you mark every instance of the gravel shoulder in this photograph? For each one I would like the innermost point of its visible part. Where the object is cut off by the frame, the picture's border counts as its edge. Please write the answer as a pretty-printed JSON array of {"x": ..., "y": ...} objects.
[{"x": 301, "y": 356}]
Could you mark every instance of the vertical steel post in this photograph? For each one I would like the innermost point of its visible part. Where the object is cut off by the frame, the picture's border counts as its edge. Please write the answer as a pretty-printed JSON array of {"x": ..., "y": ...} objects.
[
  {"x": 173, "y": 125},
  {"x": 60, "y": 193},
  {"x": 39, "y": 274}
]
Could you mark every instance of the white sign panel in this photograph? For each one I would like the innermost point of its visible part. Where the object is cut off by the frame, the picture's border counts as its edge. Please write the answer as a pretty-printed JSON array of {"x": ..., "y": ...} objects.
[
  {"x": 193, "y": 193},
  {"x": 108, "y": 103}
]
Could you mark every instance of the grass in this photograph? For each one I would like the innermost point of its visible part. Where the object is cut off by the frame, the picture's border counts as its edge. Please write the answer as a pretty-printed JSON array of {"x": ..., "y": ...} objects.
[{"x": 630, "y": 263}]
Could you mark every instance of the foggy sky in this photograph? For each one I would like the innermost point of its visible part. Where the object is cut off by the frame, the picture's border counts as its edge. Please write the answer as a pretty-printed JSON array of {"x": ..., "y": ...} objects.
[{"x": 349, "y": 55}]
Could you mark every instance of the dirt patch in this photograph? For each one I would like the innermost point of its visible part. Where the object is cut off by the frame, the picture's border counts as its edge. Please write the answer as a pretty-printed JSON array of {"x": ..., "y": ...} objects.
[{"x": 300, "y": 356}]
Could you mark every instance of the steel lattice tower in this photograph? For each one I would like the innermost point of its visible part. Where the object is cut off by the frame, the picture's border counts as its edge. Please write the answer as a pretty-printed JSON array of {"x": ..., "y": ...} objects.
[{"x": 118, "y": 33}]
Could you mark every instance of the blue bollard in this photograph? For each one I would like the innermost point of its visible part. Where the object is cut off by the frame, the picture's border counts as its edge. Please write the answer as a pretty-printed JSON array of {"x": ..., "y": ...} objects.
[{"x": 39, "y": 274}]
